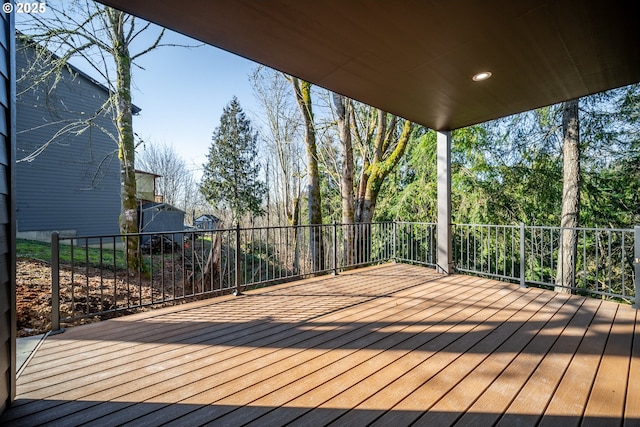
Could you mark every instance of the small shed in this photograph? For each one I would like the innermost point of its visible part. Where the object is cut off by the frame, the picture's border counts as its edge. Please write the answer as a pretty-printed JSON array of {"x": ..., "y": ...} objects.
[
  {"x": 206, "y": 222},
  {"x": 160, "y": 217}
]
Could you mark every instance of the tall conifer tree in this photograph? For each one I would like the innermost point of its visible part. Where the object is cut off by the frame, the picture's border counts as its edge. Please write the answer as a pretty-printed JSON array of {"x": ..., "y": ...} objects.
[{"x": 231, "y": 172}]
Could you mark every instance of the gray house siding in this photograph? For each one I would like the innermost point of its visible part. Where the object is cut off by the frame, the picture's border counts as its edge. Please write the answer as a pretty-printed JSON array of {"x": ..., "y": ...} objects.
[
  {"x": 73, "y": 186},
  {"x": 7, "y": 218}
]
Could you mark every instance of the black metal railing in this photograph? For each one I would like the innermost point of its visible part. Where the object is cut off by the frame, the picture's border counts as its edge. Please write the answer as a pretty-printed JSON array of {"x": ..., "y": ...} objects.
[
  {"x": 93, "y": 276},
  {"x": 605, "y": 265}
]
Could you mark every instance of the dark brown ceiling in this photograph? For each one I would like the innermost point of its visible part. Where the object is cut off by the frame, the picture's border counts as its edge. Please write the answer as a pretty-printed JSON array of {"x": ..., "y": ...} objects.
[{"x": 416, "y": 58}]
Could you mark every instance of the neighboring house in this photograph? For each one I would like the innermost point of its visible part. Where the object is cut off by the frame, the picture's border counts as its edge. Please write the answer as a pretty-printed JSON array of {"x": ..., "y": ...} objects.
[
  {"x": 206, "y": 222},
  {"x": 146, "y": 186},
  {"x": 72, "y": 185}
]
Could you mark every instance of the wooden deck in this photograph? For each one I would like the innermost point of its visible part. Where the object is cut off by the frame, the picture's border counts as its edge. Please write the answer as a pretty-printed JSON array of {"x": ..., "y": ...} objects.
[{"x": 390, "y": 345}]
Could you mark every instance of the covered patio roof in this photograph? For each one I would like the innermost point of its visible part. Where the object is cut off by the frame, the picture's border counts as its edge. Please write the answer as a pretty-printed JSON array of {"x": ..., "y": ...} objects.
[{"x": 416, "y": 59}]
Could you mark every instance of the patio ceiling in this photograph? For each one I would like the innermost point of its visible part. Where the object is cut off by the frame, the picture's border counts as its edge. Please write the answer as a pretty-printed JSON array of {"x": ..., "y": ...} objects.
[{"x": 417, "y": 58}]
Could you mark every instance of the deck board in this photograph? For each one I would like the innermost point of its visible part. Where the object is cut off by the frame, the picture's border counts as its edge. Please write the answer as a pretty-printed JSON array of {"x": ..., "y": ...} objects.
[
  {"x": 347, "y": 372},
  {"x": 607, "y": 397},
  {"x": 526, "y": 385},
  {"x": 477, "y": 346},
  {"x": 512, "y": 361},
  {"x": 355, "y": 382},
  {"x": 383, "y": 367},
  {"x": 386, "y": 345},
  {"x": 632, "y": 404},
  {"x": 569, "y": 400}
]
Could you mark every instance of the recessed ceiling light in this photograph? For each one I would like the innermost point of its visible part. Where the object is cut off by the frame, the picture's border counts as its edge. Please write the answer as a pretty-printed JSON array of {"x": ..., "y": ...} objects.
[{"x": 481, "y": 76}]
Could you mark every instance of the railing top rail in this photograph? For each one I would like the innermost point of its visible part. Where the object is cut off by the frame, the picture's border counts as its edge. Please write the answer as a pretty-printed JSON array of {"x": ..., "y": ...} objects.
[
  {"x": 313, "y": 225},
  {"x": 223, "y": 230},
  {"x": 548, "y": 227},
  {"x": 617, "y": 230},
  {"x": 485, "y": 225},
  {"x": 147, "y": 233},
  {"x": 210, "y": 230}
]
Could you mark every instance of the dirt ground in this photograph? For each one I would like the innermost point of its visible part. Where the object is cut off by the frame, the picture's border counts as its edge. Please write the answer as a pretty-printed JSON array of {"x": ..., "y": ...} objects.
[
  {"x": 33, "y": 295},
  {"x": 33, "y": 298}
]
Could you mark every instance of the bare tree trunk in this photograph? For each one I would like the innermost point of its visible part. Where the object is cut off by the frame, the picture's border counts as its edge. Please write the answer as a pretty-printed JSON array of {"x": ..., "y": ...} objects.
[
  {"x": 303, "y": 97},
  {"x": 126, "y": 147},
  {"x": 362, "y": 190},
  {"x": 211, "y": 271},
  {"x": 343, "y": 110},
  {"x": 569, "y": 220}
]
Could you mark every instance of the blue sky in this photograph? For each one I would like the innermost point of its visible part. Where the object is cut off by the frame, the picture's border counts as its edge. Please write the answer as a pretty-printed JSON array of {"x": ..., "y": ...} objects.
[{"x": 182, "y": 93}]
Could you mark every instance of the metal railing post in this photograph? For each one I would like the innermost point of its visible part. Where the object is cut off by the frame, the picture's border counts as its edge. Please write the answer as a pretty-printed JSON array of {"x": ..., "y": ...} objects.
[
  {"x": 636, "y": 257},
  {"x": 237, "y": 292},
  {"x": 335, "y": 248},
  {"x": 55, "y": 283},
  {"x": 393, "y": 242},
  {"x": 523, "y": 283}
]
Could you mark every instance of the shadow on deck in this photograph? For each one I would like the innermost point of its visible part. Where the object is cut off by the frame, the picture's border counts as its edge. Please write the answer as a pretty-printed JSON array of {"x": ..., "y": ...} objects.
[{"x": 387, "y": 345}]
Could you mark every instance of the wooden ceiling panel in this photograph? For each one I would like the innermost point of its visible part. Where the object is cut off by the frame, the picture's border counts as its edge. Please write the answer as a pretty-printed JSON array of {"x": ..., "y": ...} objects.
[{"x": 415, "y": 58}]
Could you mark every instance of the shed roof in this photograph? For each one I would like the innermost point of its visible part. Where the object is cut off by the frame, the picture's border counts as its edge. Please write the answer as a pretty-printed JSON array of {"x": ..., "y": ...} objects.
[
  {"x": 159, "y": 206},
  {"x": 141, "y": 172},
  {"x": 417, "y": 58},
  {"x": 208, "y": 217}
]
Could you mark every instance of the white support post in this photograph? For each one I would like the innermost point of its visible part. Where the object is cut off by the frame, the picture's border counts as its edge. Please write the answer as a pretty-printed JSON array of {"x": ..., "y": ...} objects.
[{"x": 445, "y": 256}]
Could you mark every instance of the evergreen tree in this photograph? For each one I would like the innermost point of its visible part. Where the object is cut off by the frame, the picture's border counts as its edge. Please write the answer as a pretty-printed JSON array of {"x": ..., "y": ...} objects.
[{"x": 231, "y": 172}]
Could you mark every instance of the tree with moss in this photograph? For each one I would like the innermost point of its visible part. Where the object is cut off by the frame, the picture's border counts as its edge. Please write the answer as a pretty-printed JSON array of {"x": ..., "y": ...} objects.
[
  {"x": 380, "y": 140},
  {"x": 302, "y": 90},
  {"x": 231, "y": 172}
]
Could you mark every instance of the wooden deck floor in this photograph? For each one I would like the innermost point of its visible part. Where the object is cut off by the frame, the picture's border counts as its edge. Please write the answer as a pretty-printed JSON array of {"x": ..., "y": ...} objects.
[{"x": 390, "y": 345}]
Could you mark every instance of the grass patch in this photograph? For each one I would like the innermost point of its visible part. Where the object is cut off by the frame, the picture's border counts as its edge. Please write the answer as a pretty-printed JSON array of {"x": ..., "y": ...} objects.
[
  {"x": 33, "y": 249},
  {"x": 81, "y": 255}
]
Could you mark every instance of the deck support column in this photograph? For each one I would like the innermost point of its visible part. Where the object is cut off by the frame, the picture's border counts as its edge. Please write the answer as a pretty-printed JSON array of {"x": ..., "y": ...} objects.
[{"x": 445, "y": 257}]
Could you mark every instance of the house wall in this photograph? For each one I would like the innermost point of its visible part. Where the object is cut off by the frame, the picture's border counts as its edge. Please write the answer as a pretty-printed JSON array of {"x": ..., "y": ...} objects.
[
  {"x": 73, "y": 186},
  {"x": 7, "y": 218},
  {"x": 145, "y": 186}
]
